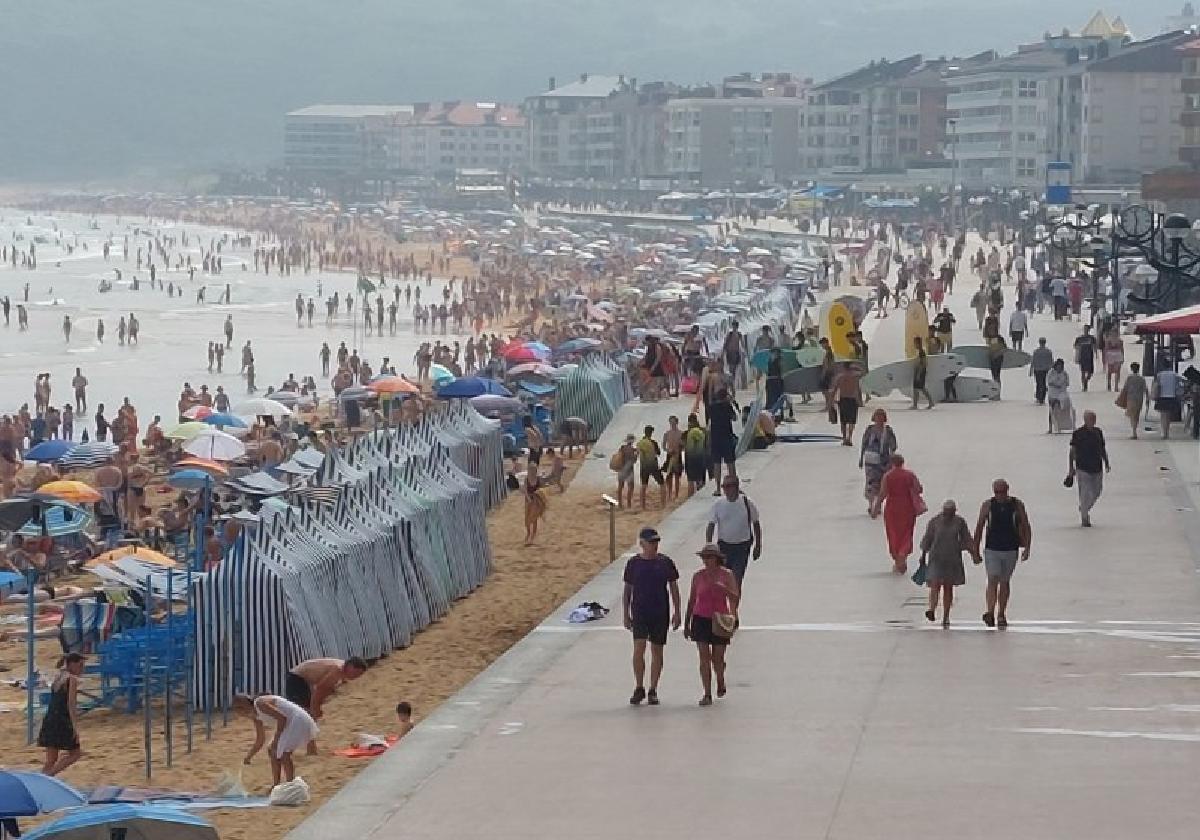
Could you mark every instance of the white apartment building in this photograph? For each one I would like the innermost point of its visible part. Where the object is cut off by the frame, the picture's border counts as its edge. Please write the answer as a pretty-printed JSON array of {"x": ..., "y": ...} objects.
[
  {"x": 336, "y": 140},
  {"x": 1132, "y": 103},
  {"x": 439, "y": 138},
  {"x": 561, "y": 142},
  {"x": 720, "y": 142}
]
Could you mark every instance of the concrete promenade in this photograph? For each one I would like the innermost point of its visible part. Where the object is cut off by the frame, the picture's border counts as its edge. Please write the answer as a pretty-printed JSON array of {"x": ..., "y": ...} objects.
[{"x": 848, "y": 716}]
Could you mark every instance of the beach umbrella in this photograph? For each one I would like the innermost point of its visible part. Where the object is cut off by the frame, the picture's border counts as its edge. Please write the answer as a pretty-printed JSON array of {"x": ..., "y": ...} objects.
[
  {"x": 264, "y": 407},
  {"x": 128, "y": 822},
  {"x": 76, "y": 492},
  {"x": 198, "y": 412},
  {"x": 192, "y": 478},
  {"x": 473, "y": 386},
  {"x": 758, "y": 252},
  {"x": 354, "y": 392},
  {"x": 441, "y": 373},
  {"x": 215, "y": 445},
  {"x": 136, "y": 552},
  {"x": 541, "y": 350},
  {"x": 578, "y": 345},
  {"x": 520, "y": 354},
  {"x": 49, "y": 450},
  {"x": 87, "y": 455},
  {"x": 489, "y": 403},
  {"x": 225, "y": 419},
  {"x": 187, "y": 431},
  {"x": 394, "y": 385},
  {"x": 27, "y": 794},
  {"x": 287, "y": 399},
  {"x": 59, "y": 522},
  {"x": 535, "y": 368},
  {"x": 18, "y": 510},
  {"x": 206, "y": 464}
]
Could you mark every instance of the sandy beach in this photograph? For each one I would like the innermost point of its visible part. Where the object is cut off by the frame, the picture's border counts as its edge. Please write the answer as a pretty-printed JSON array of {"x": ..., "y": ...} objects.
[{"x": 528, "y": 583}]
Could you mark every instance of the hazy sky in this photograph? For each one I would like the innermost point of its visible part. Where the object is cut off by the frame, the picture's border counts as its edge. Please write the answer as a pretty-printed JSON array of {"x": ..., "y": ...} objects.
[{"x": 104, "y": 88}]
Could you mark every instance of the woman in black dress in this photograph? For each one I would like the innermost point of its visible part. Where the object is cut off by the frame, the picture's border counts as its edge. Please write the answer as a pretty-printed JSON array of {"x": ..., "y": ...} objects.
[{"x": 59, "y": 735}]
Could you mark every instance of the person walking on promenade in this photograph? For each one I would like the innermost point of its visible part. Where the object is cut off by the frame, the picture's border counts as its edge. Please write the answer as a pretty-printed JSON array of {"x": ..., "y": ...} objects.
[
  {"x": 1004, "y": 532},
  {"x": 1132, "y": 397},
  {"x": 1039, "y": 366},
  {"x": 875, "y": 454},
  {"x": 1086, "y": 465},
  {"x": 900, "y": 500},
  {"x": 1062, "y": 413},
  {"x": 946, "y": 538},
  {"x": 1167, "y": 387},
  {"x": 711, "y": 617},
  {"x": 721, "y": 438},
  {"x": 847, "y": 396},
  {"x": 651, "y": 610},
  {"x": 920, "y": 371},
  {"x": 734, "y": 520},
  {"x": 1114, "y": 358},
  {"x": 1085, "y": 355}
]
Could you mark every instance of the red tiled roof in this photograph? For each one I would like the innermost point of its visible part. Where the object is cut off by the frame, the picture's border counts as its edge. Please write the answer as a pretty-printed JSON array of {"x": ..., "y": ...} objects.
[{"x": 470, "y": 114}]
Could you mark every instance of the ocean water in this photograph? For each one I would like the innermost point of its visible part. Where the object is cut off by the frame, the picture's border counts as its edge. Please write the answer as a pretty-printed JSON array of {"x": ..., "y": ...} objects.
[{"x": 174, "y": 331}]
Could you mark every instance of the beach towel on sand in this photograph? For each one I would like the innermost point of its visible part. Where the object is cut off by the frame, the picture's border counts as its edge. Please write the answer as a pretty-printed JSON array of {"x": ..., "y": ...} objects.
[{"x": 367, "y": 746}]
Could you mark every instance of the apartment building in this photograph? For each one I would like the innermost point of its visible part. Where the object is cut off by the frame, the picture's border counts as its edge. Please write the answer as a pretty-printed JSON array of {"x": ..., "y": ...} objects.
[
  {"x": 561, "y": 142},
  {"x": 1189, "y": 119},
  {"x": 439, "y": 138},
  {"x": 338, "y": 140},
  {"x": 1132, "y": 105},
  {"x": 1009, "y": 117},
  {"x": 715, "y": 142}
]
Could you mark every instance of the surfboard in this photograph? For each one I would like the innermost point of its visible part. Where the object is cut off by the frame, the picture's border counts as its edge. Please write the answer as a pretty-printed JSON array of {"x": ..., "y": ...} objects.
[
  {"x": 966, "y": 388},
  {"x": 791, "y": 359},
  {"x": 823, "y": 318},
  {"x": 882, "y": 380},
  {"x": 841, "y": 324},
  {"x": 805, "y": 380},
  {"x": 916, "y": 325},
  {"x": 977, "y": 356}
]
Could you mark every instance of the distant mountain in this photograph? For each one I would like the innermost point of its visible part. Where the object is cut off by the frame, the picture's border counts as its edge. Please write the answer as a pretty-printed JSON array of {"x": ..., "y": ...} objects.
[{"x": 113, "y": 88}]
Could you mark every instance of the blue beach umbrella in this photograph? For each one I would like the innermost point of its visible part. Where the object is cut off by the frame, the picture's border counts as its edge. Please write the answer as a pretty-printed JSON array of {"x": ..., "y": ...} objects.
[
  {"x": 133, "y": 822},
  {"x": 224, "y": 419},
  {"x": 26, "y": 794},
  {"x": 60, "y": 522},
  {"x": 473, "y": 386},
  {"x": 190, "y": 480},
  {"x": 50, "y": 450}
]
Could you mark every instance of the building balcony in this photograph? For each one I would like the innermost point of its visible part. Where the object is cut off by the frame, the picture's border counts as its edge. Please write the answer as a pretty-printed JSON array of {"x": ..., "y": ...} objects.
[
  {"x": 975, "y": 151},
  {"x": 982, "y": 124},
  {"x": 1189, "y": 119},
  {"x": 977, "y": 98},
  {"x": 1190, "y": 84},
  {"x": 1190, "y": 155}
]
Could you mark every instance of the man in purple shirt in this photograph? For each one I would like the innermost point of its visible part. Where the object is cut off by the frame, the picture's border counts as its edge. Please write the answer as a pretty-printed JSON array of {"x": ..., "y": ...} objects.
[{"x": 651, "y": 602}]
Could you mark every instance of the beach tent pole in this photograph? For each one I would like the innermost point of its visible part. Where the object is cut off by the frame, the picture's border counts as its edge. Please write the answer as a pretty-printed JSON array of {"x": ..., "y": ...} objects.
[
  {"x": 146, "y": 678},
  {"x": 190, "y": 652},
  {"x": 170, "y": 662},
  {"x": 30, "y": 665}
]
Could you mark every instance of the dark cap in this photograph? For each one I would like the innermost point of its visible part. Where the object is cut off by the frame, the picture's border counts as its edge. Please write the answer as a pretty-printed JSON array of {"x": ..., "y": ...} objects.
[{"x": 648, "y": 535}]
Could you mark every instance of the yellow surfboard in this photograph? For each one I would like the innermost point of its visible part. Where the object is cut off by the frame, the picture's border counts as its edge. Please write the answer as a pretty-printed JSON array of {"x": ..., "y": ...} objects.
[
  {"x": 823, "y": 319},
  {"x": 841, "y": 324},
  {"x": 916, "y": 325}
]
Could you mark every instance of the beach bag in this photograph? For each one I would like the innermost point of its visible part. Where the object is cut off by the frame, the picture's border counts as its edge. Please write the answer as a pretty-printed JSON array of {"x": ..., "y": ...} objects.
[
  {"x": 690, "y": 384},
  {"x": 918, "y": 502},
  {"x": 724, "y": 625},
  {"x": 294, "y": 792},
  {"x": 614, "y": 463},
  {"x": 918, "y": 577},
  {"x": 1122, "y": 400}
]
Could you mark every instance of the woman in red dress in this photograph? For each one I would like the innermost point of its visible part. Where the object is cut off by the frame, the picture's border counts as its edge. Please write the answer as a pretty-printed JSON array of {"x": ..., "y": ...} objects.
[{"x": 901, "y": 502}]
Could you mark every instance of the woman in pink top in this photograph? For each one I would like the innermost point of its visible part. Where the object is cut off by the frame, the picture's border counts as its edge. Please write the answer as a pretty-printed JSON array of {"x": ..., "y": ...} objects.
[
  {"x": 900, "y": 498},
  {"x": 714, "y": 590}
]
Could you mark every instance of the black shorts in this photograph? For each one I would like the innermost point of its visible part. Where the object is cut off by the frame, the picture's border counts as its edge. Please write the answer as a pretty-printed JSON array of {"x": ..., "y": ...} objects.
[
  {"x": 702, "y": 632},
  {"x": 535, "y": 455},
  {"x": 654, "y": 629},
  {"x": 697, "y": 470},
  {"x": 675, "y": 465},
  {"x": 826, "y": 381},
  {"x": 654, "y": 472},
  {"x": 297, "y": 689},
  {"x": 724, "y": 451},
  {"x": 848, "y": 410}
]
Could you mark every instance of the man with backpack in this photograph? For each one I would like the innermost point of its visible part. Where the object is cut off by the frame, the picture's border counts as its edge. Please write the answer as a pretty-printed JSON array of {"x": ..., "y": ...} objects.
[{"x": 734, "y": 520}]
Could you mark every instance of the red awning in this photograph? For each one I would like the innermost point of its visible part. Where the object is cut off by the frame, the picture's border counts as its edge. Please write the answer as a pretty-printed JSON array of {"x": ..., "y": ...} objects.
[{"x": 1184, "y": 321}]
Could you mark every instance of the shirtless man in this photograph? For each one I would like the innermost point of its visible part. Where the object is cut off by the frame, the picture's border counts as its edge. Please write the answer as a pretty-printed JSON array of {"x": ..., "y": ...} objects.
[
  {"x": 673, "y": 447},
  {"x": 313, "y": 681}
]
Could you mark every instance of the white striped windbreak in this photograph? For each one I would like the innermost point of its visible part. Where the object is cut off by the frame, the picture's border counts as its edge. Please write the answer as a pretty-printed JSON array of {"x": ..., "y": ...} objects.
[{"x": 404, "y": 537}]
